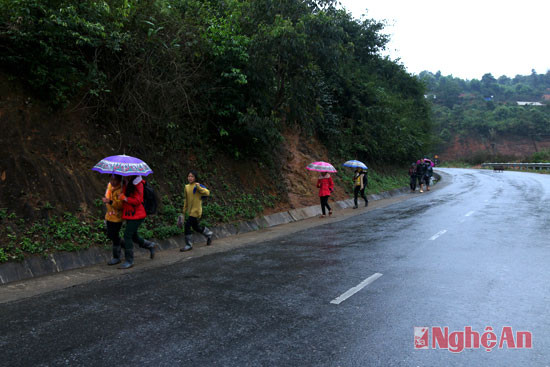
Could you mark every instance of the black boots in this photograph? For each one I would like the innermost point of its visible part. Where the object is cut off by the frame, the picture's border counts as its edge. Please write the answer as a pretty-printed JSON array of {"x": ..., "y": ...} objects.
[
  {"x": 116, "y": 255},
  {"x": 206, "y": 232},
  {"x": 151, "y": 246},
  {"x": 128, "y": 259}
]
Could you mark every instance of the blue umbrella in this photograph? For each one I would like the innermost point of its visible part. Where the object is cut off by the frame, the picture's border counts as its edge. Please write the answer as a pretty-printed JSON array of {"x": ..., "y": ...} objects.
[{"x": 355, "y": 164}]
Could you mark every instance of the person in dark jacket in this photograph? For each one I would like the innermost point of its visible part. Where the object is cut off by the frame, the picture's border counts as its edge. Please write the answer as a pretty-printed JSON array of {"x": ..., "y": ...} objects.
[
  {"x": 134, "y": 214},
  {"x": 326, "y": 187},
  {"x": 412, "y": 175},
  {"x": 428, "y": 173},
  {"x": 360, "y": 184},
  {"x": 420, "y": 170}
]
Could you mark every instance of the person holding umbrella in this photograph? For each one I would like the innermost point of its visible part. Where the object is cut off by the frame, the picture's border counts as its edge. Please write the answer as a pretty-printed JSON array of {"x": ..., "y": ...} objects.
[
  {"x": 134, "y": 214},
  {"x": 133, "y": 210},
  {"x": 192, "y": 207},
  {"x": 113, "y": 216},
  {"x": 324, "y": 183},
  {"x": 361, "y": 182},
  {"x": 326, "y": 187},
  {"x": 420, "y": 171}
]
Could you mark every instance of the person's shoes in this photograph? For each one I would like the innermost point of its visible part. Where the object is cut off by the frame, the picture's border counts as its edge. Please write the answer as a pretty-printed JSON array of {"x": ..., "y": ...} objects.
[
  {"x": 188, "y": 243},
  {"x": 421, "y": 191},
  {"x": 126, "y": 265},
  {"x": 366, "y": 204},
  {"x": 186, "y": 248},
  {"x": 151, "y": 246},
  {"x": 355, "y": 207},
  {"x": 428, "y": 189},
  {"x": 323, "y": 216},
  {"x": 208, "y": 234},
  {"x": 330, "y": 212},
  {"x": 113, "y": 261}
]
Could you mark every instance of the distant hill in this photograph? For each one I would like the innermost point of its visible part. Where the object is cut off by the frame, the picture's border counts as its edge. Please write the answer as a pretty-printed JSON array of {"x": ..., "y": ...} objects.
[{"x": 489, "y": 109}]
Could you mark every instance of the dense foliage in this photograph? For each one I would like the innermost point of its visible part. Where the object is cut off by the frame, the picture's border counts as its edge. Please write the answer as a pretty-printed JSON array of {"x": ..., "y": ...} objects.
[
  {"x": 233, "y": 74},
  {"x": 216, "y": 80},
  {"x": 489, "y": 106}
]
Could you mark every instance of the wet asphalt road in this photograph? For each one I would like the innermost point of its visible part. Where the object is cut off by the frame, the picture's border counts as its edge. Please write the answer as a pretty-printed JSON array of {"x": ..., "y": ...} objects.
[{"x": 473, "y": 253}]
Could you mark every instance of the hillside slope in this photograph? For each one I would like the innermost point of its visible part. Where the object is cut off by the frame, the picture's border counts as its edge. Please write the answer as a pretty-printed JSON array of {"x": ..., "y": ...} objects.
[
  {"x": 47, "y": 157},
  {"x": 504, "y": 146}
]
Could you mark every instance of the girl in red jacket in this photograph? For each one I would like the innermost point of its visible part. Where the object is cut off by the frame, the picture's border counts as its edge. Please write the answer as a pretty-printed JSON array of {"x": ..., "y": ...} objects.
[
  {"x": 326, "y": 187},
  {"x": 134, "y": 214}
]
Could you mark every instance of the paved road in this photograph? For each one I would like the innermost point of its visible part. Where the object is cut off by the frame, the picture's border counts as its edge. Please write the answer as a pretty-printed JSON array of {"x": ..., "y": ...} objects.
[{"x": 473, "y": 253}]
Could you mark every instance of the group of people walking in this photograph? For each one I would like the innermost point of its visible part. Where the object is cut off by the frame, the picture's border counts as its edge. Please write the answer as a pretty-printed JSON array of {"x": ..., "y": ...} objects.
[
  {"x": 124, "y": 200},
  {"x": 326, "y": 188},
  {"x": 421, "y": 172}
]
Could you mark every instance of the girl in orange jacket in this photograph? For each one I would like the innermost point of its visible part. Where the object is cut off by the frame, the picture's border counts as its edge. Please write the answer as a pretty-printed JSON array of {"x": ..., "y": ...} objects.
[{"x": 113, "y": 217}]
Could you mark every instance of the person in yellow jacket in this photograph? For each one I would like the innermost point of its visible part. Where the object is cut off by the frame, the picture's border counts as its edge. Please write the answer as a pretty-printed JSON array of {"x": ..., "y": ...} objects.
[
  {"x": 360, "y": 184},
  {"x": 193, "y": 194},
  {"x": 113, "y": 217}
]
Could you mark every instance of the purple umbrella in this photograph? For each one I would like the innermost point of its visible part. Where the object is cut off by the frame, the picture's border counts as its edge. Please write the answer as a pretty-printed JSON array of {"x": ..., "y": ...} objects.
[{"x": 123, "y": 165}]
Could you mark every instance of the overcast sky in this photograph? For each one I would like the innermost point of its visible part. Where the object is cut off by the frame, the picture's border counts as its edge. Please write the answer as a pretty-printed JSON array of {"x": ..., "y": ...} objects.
[{"x": 466, "y": 38}]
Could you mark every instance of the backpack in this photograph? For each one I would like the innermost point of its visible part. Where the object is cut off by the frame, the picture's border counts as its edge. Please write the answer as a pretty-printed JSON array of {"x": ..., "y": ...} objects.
[{"x": 150, "y": 202}]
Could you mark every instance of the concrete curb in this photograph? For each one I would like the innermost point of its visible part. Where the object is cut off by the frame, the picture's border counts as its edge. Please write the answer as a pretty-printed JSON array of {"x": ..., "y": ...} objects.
[{"x": 36, "y": 266}]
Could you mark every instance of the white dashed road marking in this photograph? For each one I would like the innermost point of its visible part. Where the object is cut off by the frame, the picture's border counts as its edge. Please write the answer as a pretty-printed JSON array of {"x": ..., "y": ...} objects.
[
  {"x": 435, "y": 236},
  {"x": 469, "y": 213},
  {"x": 356, "y": 289}
]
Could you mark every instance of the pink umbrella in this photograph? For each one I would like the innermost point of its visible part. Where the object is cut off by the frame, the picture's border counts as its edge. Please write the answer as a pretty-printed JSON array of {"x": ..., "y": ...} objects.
[
  {"x": 321, "y": 167},
  {"x": 426, "y": 159}
]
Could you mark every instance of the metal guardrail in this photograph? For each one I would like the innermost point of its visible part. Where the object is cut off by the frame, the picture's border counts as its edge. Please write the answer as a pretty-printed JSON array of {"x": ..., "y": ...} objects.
[{"x": 520, "y": 166}]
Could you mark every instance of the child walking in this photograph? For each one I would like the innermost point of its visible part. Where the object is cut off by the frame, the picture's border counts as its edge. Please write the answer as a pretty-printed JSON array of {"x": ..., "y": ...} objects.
[
  {"x": 412, "y": 175},
  {"x": 326, "y": 187},
  {"x": 193, "y": 194},
  {"x": 360, "y": 181},
  {"x": 134, "y": 214},
  {"x": 113, "y": 217}
]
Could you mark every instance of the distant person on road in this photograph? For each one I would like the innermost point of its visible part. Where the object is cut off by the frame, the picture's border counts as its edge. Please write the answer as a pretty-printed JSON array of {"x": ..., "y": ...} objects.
[
  {"x": 326, "y": 187},
  {"x": 420, "y": 170},
  {"x": 134, "y": 214},
  {"x": 412, "y": 176},
  {"x": 113, "y": 216},
  {"x": 428, "y": 173},
  {"x": 192, "y": 208},
  {"x": 360, "y": 184}
]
